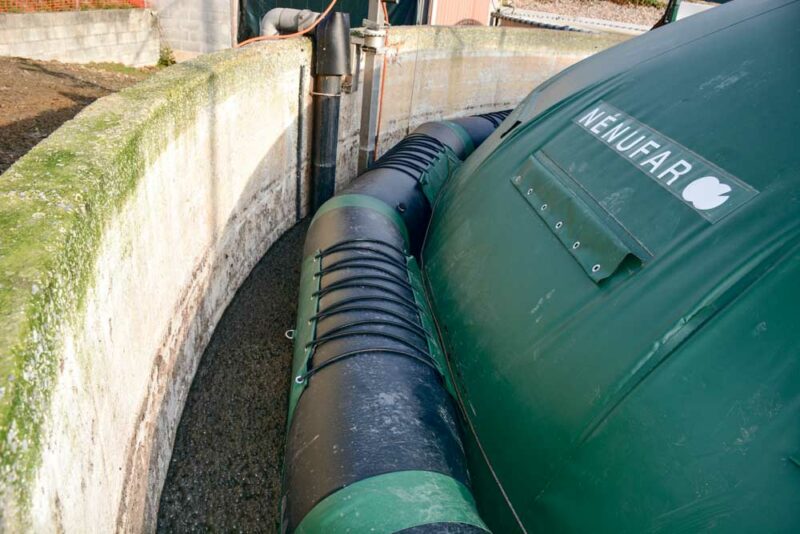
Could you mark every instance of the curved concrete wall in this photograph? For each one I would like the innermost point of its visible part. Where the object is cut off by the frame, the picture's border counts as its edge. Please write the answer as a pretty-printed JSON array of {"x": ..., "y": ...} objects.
[
  {"x": 127, "y": 232},
  {"x": 441, "y": 72}
]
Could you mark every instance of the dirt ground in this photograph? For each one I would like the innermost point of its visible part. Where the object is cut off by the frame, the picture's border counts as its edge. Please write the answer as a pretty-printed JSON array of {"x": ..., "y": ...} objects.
[
  {"x": 596, "y": 9},
  {"x": 225, "y": 471},
  {"x": 36, "y": 97}
]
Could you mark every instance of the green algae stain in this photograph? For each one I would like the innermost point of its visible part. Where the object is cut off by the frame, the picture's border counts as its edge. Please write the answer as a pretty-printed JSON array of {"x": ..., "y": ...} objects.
[{"x": 55, "y": 204}]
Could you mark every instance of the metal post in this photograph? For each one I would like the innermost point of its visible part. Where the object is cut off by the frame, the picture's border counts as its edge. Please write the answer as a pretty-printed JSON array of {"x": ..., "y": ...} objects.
[{"x": 373, "y": 51}]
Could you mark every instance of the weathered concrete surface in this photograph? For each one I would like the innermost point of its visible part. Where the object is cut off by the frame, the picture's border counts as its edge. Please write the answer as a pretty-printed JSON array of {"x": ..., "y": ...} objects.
[
  {"x": 127, "y": 36},
  {"x": 443, "y": 72},
  {"x": 127, "y": 233}
]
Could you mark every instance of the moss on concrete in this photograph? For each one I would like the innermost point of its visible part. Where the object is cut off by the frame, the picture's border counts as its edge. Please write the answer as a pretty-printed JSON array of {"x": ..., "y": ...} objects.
[{"x": 55, "y": 203}]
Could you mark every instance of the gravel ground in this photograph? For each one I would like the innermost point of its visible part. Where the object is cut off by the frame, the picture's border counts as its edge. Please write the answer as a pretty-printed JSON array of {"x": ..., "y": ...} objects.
[
  {"x": 36, "y": 97},
  {"x": 596, "y": 9},
  {"x": 226, "y": 464}
]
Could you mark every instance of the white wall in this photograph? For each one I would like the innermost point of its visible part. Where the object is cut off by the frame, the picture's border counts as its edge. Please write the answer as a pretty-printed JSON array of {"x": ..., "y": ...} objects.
[
  {"x": 126, "y": 36},
  {"x": 190, "y": 27}
]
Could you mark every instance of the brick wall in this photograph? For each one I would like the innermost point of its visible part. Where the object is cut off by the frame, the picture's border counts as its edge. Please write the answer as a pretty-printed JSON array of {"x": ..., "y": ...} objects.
[
  {"x": 194, "y": 26},
  {"x": 126, "y": 36}
]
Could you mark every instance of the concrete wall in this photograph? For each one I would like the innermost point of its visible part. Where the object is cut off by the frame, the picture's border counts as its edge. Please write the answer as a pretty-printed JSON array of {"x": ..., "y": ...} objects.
[
  {"x": 126, "y": 36},
  {"x": 192, "y": 27},
  {"x": 440, "y": 72},
  {"x": 127, "y": 232}
]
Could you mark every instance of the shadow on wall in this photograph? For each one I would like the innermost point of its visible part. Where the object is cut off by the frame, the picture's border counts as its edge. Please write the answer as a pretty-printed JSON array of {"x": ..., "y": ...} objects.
[{"x": 239, "y": 241}]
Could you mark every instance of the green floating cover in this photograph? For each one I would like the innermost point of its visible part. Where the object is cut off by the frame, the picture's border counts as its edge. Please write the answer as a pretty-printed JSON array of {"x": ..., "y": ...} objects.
[
  {"x": 392, "y": 502},
  {"x": 589, "y": 239}
]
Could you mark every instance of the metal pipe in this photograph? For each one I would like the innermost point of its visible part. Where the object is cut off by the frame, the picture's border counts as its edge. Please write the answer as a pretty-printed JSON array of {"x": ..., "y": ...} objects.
[
  {"x": 286, "y": 20},
  {"x": 327, "y": 96},
  {"x": 332, "y": 49}
]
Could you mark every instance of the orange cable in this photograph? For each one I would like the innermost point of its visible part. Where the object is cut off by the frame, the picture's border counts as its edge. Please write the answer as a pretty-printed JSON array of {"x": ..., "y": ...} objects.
[{"x": 289, "y": 35}]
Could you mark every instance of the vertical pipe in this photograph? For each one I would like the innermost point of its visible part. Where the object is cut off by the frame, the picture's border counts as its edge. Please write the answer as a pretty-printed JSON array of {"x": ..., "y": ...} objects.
[
  {"x": 327, "y": 95},
  {"x": 332, "y": 50}
]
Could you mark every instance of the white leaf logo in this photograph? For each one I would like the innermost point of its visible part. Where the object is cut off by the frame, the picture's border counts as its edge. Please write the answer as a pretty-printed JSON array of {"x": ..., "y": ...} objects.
[{"x": 706, "y": 193}]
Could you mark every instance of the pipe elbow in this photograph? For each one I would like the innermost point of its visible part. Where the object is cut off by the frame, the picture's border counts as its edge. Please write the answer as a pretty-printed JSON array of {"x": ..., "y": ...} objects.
[{"x": 284, "y": 19}]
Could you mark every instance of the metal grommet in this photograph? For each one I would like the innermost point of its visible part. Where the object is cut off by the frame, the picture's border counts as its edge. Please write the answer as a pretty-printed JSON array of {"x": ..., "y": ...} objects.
[
  {"x": 595, "y": 267},
  {"x": 576, "y": 244},
  {"x": 544, "y": 207},
  {"x": 530, "y": 191},
  {"x": 517, "y": 179},
  {"x": 299, "y": 379},
  {"x": 289, "y": 334},
  {"x": 559, "y": 224}
]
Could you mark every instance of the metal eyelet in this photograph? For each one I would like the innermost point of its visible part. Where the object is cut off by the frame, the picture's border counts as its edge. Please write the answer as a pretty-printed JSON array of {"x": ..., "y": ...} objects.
[
  {"x": 576, "y": 244},
  {"x": 517, "y": 179},
  {"x": 299, "y": 379},
  {"x": 595, "y": 267},
  {"x": 289, "y": 334},
  {"x": 530, "y": 191},
  {"x": 559, "y": 224},
  {"x": 544, "y": 207}
]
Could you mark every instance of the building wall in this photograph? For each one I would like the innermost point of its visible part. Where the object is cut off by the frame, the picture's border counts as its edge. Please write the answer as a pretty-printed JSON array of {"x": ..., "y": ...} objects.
[
  {"x": 126, "y": 36},
  {"x": 192, "y": 27},
  {"x": 461, "y": 12}
]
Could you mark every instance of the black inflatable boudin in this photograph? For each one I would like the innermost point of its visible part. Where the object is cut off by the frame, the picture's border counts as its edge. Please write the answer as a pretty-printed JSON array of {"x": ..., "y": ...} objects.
[{"x": 373, "y": 400}]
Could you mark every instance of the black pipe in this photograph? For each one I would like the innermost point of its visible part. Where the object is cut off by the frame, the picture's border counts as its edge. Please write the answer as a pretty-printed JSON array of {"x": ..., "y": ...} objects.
[
  {"x": 332, "y": 50},
  {"x": 370, "y": 395}
]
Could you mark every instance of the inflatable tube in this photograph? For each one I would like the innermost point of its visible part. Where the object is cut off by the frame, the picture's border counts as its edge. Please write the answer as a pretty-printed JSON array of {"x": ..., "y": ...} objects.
[{"x": 374, "y": 442}]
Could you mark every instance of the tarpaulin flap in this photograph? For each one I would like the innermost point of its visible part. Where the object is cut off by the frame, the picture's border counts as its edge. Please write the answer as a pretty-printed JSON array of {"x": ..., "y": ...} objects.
[{"x": 586, "y": 236}]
